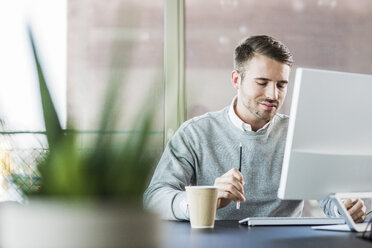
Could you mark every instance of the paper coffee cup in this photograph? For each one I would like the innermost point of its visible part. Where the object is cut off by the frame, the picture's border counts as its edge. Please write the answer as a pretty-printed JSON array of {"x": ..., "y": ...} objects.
[{"x": 202, "y": 204}]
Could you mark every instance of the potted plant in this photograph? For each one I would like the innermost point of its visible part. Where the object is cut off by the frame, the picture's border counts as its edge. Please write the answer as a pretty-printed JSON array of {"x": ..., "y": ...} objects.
[{"x": 87, "y": 197}]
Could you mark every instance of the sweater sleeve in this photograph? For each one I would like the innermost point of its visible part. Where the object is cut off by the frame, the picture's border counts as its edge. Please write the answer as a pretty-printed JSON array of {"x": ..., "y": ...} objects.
[
  {"x": 329, "y": 207},
  {"x": 176, "y": 169}
]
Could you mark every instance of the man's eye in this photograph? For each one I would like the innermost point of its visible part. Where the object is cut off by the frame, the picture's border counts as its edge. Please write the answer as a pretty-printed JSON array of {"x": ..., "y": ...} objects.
[
  {"x": 261, "y": 83},
  {"x": 281, "y": 86}
]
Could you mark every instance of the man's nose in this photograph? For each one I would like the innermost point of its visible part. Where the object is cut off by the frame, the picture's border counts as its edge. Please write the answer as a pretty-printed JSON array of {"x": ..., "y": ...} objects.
[{"x": 271, "y": 91}]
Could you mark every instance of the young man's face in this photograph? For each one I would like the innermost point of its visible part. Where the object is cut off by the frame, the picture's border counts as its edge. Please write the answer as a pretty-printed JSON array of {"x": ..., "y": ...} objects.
[{"x": 262, "y": 90}]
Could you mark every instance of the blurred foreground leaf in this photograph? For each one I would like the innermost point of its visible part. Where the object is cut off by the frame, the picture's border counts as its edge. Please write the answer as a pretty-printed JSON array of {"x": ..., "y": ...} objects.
[{"x": 111, "y": 169}]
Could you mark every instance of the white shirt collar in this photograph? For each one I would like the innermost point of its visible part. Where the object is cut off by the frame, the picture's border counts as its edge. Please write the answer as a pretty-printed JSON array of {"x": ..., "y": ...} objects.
[{"x": 238, "y": 122}]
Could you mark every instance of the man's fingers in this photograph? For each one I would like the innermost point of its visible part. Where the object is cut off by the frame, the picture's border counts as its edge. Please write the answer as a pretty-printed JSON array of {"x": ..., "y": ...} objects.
[
  {"x": 348, "y": 203},
  {"x": 229, "y": 191},
  {"x": 228, "y": 195},
  {"x": 235, "y": 173},
  {"x": 357, "y": 206},
  {"x": 230, "y": 187},
  {"x": 362, "y": 218},
  {"x": 357, "y": 215},
  {"x": 232, "y": 184},
  {"x": 359, "y": 218},
  {"x": 232, "y": 181}
]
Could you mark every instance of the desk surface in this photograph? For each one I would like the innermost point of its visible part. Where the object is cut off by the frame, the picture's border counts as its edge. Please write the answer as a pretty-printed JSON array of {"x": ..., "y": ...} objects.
[{"x": 231, "y": 234}]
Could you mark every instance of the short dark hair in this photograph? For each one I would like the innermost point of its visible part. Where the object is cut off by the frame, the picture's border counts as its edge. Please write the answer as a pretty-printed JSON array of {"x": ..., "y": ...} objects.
[{"x": 264, "y": 45}]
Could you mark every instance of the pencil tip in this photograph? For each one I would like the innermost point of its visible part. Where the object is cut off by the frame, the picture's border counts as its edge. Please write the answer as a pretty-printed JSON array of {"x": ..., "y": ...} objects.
[{"x": 241, "y": 144}]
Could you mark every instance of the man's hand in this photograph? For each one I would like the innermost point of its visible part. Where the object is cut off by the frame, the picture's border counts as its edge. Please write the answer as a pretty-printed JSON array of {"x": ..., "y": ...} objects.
[
  {"x": 356, "y": 209},
  {"x": 230, "y": 188}
]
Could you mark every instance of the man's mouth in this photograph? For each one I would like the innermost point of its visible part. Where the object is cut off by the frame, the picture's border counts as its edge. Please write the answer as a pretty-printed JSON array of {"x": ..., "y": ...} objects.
[{"x": 268, "y": 106}]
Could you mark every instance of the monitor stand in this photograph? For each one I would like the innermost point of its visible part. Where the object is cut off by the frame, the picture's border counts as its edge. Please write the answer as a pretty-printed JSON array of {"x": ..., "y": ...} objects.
[{"x": 350, "y": 224}]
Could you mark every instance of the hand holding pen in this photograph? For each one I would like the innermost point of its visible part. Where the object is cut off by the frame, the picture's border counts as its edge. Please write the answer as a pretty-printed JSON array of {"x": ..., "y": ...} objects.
[{"x": 230, "y": 187}]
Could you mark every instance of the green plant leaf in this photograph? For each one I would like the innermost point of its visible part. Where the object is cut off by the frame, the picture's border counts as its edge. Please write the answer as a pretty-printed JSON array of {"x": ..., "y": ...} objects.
[
  {"x": 52, "y": 125},
  {"x": 111, "y": 168}
]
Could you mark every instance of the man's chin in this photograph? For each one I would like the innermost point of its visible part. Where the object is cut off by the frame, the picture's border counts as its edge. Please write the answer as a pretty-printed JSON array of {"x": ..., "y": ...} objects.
[{"x": 268, "y": 115}]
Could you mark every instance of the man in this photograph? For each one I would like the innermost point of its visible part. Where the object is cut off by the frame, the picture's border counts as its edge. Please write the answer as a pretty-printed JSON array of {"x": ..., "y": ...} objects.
[{"x": 205, "y": 149}]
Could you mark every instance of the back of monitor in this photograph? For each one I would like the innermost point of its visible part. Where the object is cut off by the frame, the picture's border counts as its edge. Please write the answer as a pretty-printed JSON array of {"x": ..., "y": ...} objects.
[{"x": 329, "y": 140}]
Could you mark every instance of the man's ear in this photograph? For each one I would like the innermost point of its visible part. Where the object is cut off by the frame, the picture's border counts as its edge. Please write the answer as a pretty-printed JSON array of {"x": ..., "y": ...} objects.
[{"x": 236, "y": 79}]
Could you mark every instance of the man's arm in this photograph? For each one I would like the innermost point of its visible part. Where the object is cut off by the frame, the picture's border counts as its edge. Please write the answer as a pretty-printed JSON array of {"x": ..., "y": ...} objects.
[
  {"x": 329, "y": 207},
  {"x": 176, "y": 169}
]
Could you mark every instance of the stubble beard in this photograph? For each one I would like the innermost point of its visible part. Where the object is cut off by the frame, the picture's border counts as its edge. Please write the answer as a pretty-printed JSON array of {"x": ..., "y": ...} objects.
[{"x": 254, "y": 107}]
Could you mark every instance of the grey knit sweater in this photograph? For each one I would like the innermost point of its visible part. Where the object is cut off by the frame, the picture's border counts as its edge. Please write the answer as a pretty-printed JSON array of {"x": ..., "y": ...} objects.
[{"x": 206, "y": 147}]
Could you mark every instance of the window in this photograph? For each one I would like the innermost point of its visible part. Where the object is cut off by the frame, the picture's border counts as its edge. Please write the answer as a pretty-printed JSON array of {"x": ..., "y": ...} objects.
[
  {"x": 22, "y": 141},
  {"x": 326, "y": 34}
]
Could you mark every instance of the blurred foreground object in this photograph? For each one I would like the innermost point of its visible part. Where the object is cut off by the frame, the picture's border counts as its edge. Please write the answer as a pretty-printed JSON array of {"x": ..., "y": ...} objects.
[{"x": 87, "y": 197}]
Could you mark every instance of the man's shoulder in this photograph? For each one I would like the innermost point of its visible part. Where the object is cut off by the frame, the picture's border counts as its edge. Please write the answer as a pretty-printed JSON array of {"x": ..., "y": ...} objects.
[
  {"x": 281, "y": 122},
  {"x": 207, "y": 119},
  {"x": 282, "y": 117}
]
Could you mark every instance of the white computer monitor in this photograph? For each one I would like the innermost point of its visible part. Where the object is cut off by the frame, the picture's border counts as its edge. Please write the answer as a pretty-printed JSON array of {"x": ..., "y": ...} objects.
[{"x": 329, "y": 140}]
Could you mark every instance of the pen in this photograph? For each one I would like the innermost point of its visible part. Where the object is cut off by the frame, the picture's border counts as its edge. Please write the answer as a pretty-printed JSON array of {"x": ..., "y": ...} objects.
[{"x": 240, "y": 170}]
